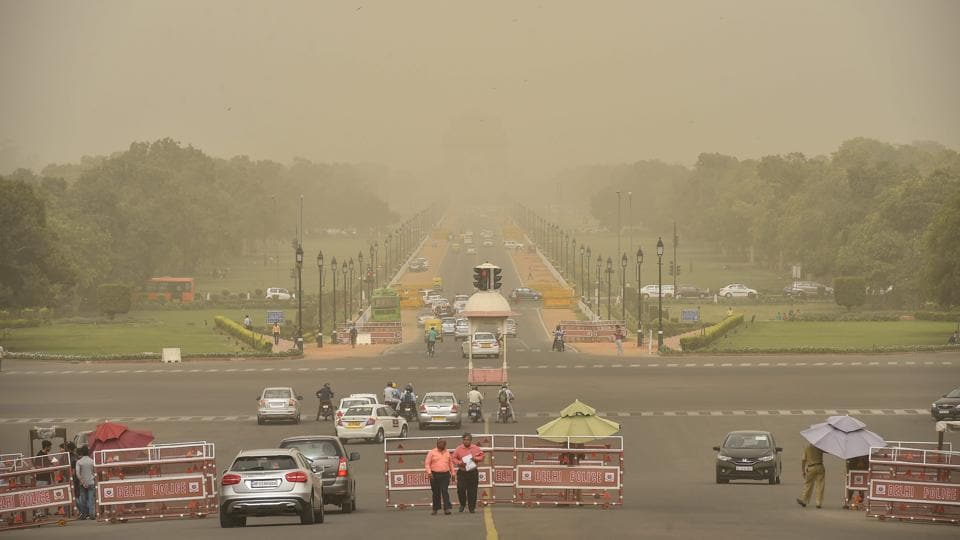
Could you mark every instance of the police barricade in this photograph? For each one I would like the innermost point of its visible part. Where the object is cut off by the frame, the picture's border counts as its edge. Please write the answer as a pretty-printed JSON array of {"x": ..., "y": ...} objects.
[
  {"x": 558, "y": 298},
  {"x": 517, "y": 469},
  {"x": 380, "y": 332},
  {"x": 35, "y": 490},
  {"x": 914, "y": 484},
  {"x": 589, "y": 331},
  {"x": 156, "y": 482}
]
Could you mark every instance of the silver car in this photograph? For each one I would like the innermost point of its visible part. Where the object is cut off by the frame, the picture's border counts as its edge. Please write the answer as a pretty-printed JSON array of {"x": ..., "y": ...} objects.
[
  {"x": 461, "y": 329},
  {"x": 271, "y": 482},
  {"x": 510, "y": 328},
  {"x": 339, "y": 480},
  {"x": 278, "y": 403},
  {"x": 439, "y": 409}
]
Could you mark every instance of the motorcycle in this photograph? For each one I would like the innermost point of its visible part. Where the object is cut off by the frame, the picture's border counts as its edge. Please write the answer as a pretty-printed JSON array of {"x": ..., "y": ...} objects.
[
  {"x": 504, "y": 415},
  {"x": 474, "y": 413},
  {"x": 325, "y": 410},
  {"x": 558, "y": 344},
  {"x": 408, "y": 410}
]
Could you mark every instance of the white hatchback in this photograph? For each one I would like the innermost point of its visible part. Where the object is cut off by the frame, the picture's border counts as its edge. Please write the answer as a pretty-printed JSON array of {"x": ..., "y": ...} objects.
[
  {"x": 372, "y": 422},
  {"x": 737, "y": 290},
  {"x": 482, "y": 344},
  {"x": 277, "y": 293}
]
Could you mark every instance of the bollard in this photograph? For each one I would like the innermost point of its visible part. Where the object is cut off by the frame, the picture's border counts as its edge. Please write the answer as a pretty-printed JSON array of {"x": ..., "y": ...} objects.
[
  {"x": 320, "y": 339},
  {"x": 300, "y": 343}
]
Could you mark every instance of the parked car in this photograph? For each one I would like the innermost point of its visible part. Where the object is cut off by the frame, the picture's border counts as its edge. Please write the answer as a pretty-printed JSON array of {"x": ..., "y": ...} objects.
[
  {"x": 510, "y": 328},
  {"x": 807, "y": 288},
  {"x": 352, "y": 401},
  {"x": 947, "y": 407},
  {"x": 512, "y": 244},
  {"x": 691, "y": 291},
  {"x": 271, "y": 482},
  {"x": 448, "y": 326},
  {"x": 370, "y": 422},
  {"x": 652, "y": 291},
  {"x": 748, "y": 455},
  {"x": 339, "y": 481},
  {"x": 461, "y": 329},
  {"x": 278, "y": 403},
  {"x": 277, "y": 293},
  {"x": 482, "y": 344},
  {"x": 439, "y": 409},
  {"x": 525, "y": 293},
  {"x": 737, "y": 290},
  {"x": 471, "y": 250}
]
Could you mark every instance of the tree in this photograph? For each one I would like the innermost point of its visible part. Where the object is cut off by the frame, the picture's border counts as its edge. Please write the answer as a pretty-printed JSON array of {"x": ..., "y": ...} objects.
[
  {"x": 850, "y": 291},
  {"x": 113, "y": 298},
  {"x": 941, "y": 251}
]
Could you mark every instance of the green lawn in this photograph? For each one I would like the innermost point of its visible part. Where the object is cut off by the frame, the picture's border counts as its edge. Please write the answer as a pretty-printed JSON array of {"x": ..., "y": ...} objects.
[
  {"x": 143, "y": 331},
  {"x": 783, "y": 334}
]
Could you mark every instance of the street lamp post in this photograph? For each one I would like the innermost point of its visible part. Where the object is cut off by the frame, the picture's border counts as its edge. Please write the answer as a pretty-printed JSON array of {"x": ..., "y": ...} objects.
[
  {"x": 333, "y": 272},
  {"x": 660, "y": 293},
  {"x": 362, "y": 281},
  {"x": 350, "y": 266},
  {"x": 609, "y": 279},
  {"x": 639, "y": 298},
  {"x": 599, "y": 265},
  {"x": 320, "y": 300},
  {"x": 343, "y": 268},
  {"x": 623, "y": 288},
  {"x": 376, "y": 263},
  {"x": 582, "y": 251},
  {"x": 573, "y": 259},
  {"x": 619, "y": 224},
  {"x": 299, "y": 292}
]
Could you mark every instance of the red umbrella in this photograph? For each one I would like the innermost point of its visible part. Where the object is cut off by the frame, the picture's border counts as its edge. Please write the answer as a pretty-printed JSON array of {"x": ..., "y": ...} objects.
[
  {"x": 106, "y": 431},
  {"x": 114, "y": 436}
]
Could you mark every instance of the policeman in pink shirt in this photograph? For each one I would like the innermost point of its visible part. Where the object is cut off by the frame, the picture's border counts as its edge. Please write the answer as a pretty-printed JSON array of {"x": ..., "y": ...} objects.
[
  {"x": 439, "y": 466},
  {"x": 466, "y": 458}
]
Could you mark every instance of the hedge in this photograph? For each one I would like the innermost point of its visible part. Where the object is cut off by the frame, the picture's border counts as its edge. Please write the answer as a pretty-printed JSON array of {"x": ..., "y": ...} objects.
[
  {"x": 257, "y": 341},
  {"x": 21, "y": 323},
  {"x": 835, "y": 350},
  {"x": 937, "y": 316},
  {"x": 711, "y": 334},
  {"x": 143, "y": 356}
]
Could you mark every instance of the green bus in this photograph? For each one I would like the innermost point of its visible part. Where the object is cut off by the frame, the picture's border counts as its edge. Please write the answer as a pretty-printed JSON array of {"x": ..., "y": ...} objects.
[{"x": 385, "y": 306}]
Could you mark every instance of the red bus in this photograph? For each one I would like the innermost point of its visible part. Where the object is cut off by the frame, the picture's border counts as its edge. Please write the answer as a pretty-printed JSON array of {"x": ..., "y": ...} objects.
[{"x": 171, "y": 289}]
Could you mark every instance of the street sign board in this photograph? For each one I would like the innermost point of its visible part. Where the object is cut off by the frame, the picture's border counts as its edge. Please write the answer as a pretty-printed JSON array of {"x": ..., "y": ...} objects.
[
  {"x": 274, "y": 317},
  {"x": 914, "y": 492},
  {"x": 690, "y": 315},
  {"x": 151, "y": 490}
]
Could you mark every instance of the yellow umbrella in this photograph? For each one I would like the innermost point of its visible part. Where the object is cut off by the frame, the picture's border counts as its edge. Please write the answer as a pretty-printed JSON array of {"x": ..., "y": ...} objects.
[{"x": 579, "y": 422}]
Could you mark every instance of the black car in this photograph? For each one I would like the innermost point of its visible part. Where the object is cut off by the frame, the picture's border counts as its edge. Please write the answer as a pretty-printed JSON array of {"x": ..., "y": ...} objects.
[
  {"x": 339, "y": 483},
  {"x": 524, "y": 293},
  {"x": 691, "y": 291},
  {"x": 748, "y": 455},
  {"x": 947, "y": 407}
]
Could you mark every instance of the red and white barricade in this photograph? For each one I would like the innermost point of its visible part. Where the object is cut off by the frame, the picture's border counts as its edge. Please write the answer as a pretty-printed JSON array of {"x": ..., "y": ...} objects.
[
  {"x": 914, "y": 484},
  {"x": 157, "y": 482},
  {"x": 35, "y": 490}
]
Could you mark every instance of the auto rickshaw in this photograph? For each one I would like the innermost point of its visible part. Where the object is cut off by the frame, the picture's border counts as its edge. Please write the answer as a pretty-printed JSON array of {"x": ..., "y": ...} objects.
[{"x": 438, "y": 283}]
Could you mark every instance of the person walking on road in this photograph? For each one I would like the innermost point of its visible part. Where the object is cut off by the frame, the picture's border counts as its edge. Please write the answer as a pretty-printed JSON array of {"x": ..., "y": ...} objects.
[
  {"x": 88, "y": 490},
  {"x": 466, "y": 458},
  {"x": 247, "y": 323},
  {"x": 618, "y": 339},
  {"x": 813, "y": 475},
  {"x": 439, "y": 466},
  {"x": 276, "y": 333},
  {"x": 353, "y": 336}
]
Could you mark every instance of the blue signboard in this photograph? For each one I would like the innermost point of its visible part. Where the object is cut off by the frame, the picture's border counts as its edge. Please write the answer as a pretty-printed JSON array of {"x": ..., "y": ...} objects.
[
  {"x": 274, "y": 317},
  {"x": 690, "y": 315}
]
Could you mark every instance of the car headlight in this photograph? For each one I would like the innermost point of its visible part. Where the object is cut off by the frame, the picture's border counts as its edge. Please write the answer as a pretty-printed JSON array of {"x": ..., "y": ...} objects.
[
  {"x": 933, "y": 405},
  {"x": 767, "y": 458},
  {"x": 722, "y": 457}
]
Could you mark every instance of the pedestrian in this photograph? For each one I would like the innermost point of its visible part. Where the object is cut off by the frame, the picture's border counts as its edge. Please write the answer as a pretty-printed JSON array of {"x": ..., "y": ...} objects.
[
  {"x": 618, "y": 339},
  {"x": 71, "y": 450},
  {"x": 88, "y": 490},
  {"x": 45, "y": 479},
  {"x": 954, "y": 339},
  {"x": 439, "y": 467},
  {"x": 247, "y": 323},
  {"x": 811, "y": 467},
  {"x": 353, "y": 336},
  {"x": 276, "y": 333},
  {"x": 779, "y": 317},
  {"x": 466, "y": 458}
]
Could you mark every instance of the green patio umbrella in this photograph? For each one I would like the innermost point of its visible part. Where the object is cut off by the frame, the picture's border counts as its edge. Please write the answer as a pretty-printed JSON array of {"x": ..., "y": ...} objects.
[{"x": 577, "y": 420}]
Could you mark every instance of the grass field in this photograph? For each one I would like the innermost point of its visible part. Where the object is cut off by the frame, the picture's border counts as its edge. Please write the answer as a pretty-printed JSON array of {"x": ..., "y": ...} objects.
[
  {"x": 142, "y": 331},
  {"x": 783, "y": 334}
]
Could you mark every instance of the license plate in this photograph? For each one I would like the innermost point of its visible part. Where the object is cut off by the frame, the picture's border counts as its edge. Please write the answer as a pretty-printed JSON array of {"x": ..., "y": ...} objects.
[
  {"x": 353, "y": 424},
  {"x": 485, "y": 346},
  {"x": 276, "y": 405},
  {"x": 439, "y": 418},
  {"x": 264, "y": 483},
  {"x": 741, "y": 468}
]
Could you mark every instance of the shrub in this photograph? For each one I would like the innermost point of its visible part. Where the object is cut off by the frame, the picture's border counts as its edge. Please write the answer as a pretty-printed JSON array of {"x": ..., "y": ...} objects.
[
  {"x": 850, "y": 291},
  {"x": 113, "y": 298},
  {"x": 256, "y": 341},
  {"x": 937, "y": 316},
  {"x": 20, "y": 323},
  {"x": 711, "y": 334}
]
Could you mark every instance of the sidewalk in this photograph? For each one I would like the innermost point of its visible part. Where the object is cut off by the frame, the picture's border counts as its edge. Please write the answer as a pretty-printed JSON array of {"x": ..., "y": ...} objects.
[{"x": 630, "y": 346}]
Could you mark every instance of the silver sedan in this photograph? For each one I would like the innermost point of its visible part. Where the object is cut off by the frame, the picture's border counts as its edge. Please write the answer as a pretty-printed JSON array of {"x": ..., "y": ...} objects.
[{"x": 439, "y": 409}]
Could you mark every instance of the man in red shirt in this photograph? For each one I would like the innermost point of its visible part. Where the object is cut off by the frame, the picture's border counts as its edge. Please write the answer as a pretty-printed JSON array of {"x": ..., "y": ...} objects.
[
  {"x": 466, "y": 458},
  {"x": 439, "y": 466}
]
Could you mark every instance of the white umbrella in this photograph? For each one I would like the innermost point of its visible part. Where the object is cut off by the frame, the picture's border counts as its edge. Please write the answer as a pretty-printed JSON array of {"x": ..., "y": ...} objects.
[{"x": 843, "y": 436}]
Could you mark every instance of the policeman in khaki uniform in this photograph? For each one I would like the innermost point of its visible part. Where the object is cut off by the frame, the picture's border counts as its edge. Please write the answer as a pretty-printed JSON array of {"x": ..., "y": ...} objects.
[{"x": 813, "y": 475}]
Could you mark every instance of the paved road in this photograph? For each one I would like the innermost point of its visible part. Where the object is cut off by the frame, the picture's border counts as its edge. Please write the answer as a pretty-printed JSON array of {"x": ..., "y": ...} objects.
[{"x": 672, "y": 411}]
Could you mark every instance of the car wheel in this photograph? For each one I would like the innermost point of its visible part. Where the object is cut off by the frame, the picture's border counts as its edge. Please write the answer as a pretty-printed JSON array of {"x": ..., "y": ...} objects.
[
  {"x": 379, "y": 438},
  {"x": 227, "y": 521},
  {"x": 773, "y": 478},
  {"x": 307, "y": 515},
  {"x": 403, "y": 432},
  {"x": 297, "y": 419},
  {"x": 729, "y": 295},
  {"x": 259, "y": 421},
  {"x": 346, "y": 507}
]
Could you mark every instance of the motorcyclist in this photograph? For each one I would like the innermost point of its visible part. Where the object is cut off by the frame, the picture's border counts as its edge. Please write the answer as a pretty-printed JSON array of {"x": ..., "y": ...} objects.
[
  {"x": 431, "y": 340},
  {"x": 408, "y": 396},
  {"x": 475, "y": 397},
  {"x": 506, "y": 397},
  {"x": 558, "y": 338},
  {"x": 325, "y": 395}
]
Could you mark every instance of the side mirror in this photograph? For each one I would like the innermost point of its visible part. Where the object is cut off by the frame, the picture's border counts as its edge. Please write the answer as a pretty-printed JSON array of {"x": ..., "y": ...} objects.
[
  {"x": 779, "y": 449},
  {"x": 299, "y": 398},
  {"x": 354, "y": 456},
  {"x": 716, "y": 448},
  {"x": 316, "y": 467},
  {"x": 257, "y": 398}
]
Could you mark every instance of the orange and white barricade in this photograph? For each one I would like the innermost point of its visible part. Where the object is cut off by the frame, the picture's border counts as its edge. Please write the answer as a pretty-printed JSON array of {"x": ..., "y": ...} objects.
[
  {"x": 914, "y": 484},
  {"x": 35, "y": 490},
  {"x": 157, "y": 482}
]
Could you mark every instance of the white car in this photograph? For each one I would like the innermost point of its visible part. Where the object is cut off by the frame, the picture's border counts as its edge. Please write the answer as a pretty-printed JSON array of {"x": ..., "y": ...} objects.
[
  {"x": 278, "y": 403},
  {"x": 512, "y": 244},
  {"x": 276, "y": 293},
  {"x": 737, "y": 290},
  {"x": 352, "y": 401},
  {"x": 461, "y": 329},
  {"x": 370, "y": 422},
  {"x": 482, "y": 344},
  {"x": 651, "y": 291},
  {"x": 487, "y": 243}
]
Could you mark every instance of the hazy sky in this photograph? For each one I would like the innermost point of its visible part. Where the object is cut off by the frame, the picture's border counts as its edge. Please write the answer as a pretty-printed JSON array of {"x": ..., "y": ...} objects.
[{"x": 570, "y": 82}]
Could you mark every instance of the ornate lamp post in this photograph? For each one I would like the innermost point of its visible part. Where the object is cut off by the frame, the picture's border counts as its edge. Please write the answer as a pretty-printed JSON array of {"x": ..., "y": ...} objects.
[
  {"x": 350, "y": 266},
  {"x": 333, "y": 272},
  {"x": 362, "y": 281},
  {"x": 299, "y": 292},
  {"x": 376, "y": 263},
  {"x": 573, "y": 262},
  {"x": 599, "y": 265},
  {"x": 609, "y": 279},
  {"x": 386, "y": 256},
  {"x": 623, "y": 289},
  {"x": 343, "y": 268},
  {"x": 373, "y": 264},
  {"x": 660, "y": 293},
  {"x": 587, "y": 283},
  {"x": 639, "y": 299},
  {"x": 320, "y": 300}
]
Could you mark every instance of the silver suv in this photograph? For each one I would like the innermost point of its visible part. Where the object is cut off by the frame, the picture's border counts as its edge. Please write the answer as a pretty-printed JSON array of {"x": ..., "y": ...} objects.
[{"x": 271, "y": 482}]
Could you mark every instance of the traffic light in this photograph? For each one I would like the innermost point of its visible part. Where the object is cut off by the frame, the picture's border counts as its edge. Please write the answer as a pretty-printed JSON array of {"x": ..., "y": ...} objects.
[
  {"x": 497, "y": 278},
  {"x": 678, "y": 269},
  {"x": 671, "y": 270},
  {"x": 481, "y": 278}
]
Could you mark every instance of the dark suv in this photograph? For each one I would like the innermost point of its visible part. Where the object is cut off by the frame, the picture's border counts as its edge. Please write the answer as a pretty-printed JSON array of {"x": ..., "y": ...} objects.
[
  {"x": 524, "y": 293},
  {"x": 339, "y": 484},
  {"x": 691, "y": 291},
  {"x": 947, "y": 407},
  {"x": 748, "y": 455}
]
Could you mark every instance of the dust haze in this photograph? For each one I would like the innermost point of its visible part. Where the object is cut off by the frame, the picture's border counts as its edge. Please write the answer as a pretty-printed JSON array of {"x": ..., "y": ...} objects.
[{"x": 520, "y": 90}]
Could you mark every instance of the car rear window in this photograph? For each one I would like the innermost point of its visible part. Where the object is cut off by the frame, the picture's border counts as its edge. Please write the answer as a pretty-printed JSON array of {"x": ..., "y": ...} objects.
[
  {"x": 315, "y": 449},
  {"x": 438, "y": 399},
  {"x": 747, "y": 441},
  {"x": 264, "y": 463},
  {"x": 359, "y": 411},
  {"x": 480, "y": 336},
  {"x": 276, "y": 393},
  {"x": 347, "y": 403}
]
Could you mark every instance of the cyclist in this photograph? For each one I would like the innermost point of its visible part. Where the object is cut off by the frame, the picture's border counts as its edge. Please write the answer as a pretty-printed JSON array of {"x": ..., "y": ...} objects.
[{"x": 431, "y": 341}]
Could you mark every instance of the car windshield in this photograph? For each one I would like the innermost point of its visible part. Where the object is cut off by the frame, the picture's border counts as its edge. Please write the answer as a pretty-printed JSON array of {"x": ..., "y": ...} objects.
[
  {"x": 359, "y": 411},
  {"x": 745, "y": 441},
  {"x": 314, "y": 449},
  {"x": 449, "y": 321},
  {"x": 348, "y": 403},
  {"x": 264, "y": 463},
  {"x": 276, "y": 393},
  {"x": 955, "y": 393},
  {"x": 483, "y": 336},
  {"x": 438, "y": 400}
]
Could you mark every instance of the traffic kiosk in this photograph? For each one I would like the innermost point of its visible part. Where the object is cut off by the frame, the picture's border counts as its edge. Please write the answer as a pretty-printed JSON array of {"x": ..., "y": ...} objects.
[{"x": 487, "y": 310}]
